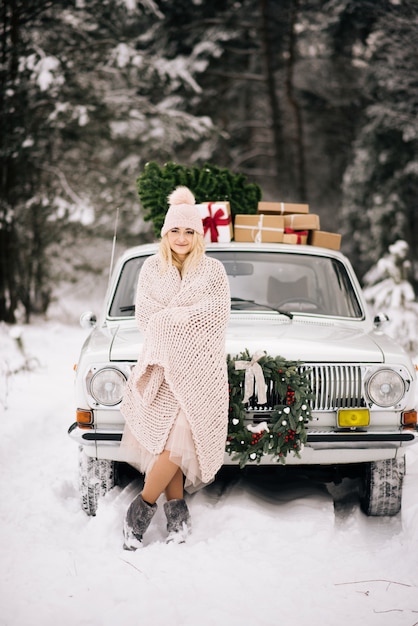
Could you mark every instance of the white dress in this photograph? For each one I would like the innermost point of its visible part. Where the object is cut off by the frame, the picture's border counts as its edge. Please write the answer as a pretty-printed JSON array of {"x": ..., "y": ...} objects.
[{"x": 182, "y": 452}]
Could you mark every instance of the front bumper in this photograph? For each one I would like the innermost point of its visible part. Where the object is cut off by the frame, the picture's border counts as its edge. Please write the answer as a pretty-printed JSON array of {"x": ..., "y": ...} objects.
[{"x": 322, "y": 447}]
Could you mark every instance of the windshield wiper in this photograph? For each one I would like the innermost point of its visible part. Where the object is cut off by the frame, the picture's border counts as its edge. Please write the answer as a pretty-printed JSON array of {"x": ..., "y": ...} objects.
[
  {"x": 263, "y": 306},
  {"x": 131, "y": 307}
]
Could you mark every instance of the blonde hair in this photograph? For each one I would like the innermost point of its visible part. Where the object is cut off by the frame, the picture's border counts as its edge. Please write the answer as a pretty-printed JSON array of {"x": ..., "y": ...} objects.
[{"x": 169, "y": 257}]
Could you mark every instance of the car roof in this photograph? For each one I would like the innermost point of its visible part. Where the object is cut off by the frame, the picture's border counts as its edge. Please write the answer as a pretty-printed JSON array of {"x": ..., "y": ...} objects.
[{"x": 152, "y": 248}]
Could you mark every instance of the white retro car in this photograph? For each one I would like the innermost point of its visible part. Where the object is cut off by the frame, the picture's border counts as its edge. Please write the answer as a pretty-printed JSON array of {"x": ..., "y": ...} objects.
[{"x": 301, "y": 302}]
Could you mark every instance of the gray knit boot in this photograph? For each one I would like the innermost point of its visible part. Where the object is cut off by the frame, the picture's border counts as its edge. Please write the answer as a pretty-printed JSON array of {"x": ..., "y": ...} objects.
[
  {"x": 178, "y": 521},
  {"x": 138, "y": 518}
]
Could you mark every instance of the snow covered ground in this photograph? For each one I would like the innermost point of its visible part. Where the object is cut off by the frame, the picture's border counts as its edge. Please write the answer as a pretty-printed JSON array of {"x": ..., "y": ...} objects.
[{"x": 259, "y": 554}]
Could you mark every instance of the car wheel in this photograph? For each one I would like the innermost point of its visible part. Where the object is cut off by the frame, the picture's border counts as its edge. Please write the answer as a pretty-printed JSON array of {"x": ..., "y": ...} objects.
[
  {"x": 96, "y": 478},
  {"x": 382, "y": 493}
]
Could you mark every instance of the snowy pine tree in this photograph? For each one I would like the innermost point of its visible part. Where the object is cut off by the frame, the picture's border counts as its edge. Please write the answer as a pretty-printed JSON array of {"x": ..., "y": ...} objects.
[{"x": 388, "y": 290}]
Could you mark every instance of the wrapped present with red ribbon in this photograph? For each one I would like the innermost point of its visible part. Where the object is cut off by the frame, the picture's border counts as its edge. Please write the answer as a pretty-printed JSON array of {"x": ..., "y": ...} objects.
[
  {"x": 295, "y": 236},
  {"x": 217, "y": 222}
]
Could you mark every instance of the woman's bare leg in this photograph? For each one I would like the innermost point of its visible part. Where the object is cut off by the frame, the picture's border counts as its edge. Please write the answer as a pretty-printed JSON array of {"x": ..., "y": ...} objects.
[
  {"x": 174, "y": 489},
  {"x": 164, "y": 475}
]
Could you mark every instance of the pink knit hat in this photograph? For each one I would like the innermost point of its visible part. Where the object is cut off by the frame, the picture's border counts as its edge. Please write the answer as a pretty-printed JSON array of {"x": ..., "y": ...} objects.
[{"x": 182, "y": 212}]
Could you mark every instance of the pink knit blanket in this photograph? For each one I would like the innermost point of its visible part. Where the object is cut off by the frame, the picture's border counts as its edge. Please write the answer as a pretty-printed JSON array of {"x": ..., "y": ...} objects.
[{"x": 182, "y": 363}]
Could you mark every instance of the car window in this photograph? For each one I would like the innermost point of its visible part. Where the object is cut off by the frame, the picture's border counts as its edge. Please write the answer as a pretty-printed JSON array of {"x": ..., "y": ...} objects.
[
  {"x": 265, "y": 280},
  {"x": 123, "y": 301}
]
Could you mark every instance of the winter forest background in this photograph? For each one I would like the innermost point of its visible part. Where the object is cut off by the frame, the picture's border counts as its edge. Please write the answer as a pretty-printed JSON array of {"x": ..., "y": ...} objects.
[{"x": 315, "y": 101}]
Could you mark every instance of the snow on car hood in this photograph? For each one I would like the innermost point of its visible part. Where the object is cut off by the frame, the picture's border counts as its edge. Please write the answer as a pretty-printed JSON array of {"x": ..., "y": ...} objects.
[{"x": 295, "y": 339}]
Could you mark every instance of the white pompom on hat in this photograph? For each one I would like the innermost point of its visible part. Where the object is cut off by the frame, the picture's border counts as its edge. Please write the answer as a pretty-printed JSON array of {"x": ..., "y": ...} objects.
[{"x": 182, "y": 212}]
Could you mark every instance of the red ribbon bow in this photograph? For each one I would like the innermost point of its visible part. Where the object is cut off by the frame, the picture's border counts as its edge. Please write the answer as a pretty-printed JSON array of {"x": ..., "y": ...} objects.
[
  {"x": 211, "y": 222},
  {"x": 299, "y": 233}
]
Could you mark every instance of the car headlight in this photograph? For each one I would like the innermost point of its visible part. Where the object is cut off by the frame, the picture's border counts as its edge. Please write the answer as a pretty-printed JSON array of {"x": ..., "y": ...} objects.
[
  {"x": 386, "y": 388},
  {"x": 107, "y": 386}
]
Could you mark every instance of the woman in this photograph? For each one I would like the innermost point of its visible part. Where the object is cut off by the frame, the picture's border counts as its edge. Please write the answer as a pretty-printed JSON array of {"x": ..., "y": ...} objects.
[{"x": 176, "y": 400}]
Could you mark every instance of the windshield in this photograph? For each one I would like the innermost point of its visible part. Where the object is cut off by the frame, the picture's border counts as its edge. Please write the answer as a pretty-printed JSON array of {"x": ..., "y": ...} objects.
[{"x": 293, "y": 283}]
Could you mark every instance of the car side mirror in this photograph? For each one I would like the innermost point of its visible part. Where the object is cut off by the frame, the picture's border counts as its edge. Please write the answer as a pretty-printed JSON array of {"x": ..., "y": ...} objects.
[
  {"x": 380, "y": 319},
  {"x": 88, "y": 320}
]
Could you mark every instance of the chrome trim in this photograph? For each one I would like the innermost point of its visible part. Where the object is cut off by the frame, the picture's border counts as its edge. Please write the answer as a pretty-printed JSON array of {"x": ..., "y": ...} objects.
[{"x": 404, "y": 436}]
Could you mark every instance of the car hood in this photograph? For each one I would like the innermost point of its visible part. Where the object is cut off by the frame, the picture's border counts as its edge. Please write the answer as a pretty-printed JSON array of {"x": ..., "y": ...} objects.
[{"x": 295, "y": 339}]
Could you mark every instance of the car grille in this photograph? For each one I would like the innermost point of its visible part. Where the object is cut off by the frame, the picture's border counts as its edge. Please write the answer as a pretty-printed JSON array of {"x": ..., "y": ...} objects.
[
  {"x": 336, "y": 387},
  {"x": 333, "y": 387}
]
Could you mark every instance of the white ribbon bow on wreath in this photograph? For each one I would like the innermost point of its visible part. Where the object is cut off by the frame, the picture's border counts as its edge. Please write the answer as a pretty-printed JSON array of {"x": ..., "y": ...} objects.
[{"x": 253, "y": 372}]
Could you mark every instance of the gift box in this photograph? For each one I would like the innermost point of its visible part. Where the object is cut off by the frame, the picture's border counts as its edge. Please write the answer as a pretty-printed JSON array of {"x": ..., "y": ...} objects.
[
  {"x": 281, "y": 208},
  {"x": 259, "y": 228},
  {"x": 299, "y": 237},
  {"x": 324, "y": 239},
  {"x": 309, "y": 221},
  {"x": 217, "y": 222}
]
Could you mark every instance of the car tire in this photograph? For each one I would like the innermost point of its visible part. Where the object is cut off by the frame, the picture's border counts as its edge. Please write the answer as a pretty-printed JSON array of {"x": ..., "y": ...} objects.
[
  {"x": 96, "y": 478},
  {"x": 382, "y": 487}
]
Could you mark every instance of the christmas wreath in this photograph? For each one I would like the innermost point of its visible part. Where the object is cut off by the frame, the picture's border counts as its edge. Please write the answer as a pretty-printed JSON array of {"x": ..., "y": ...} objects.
[{"x": 250, "y": 381}]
